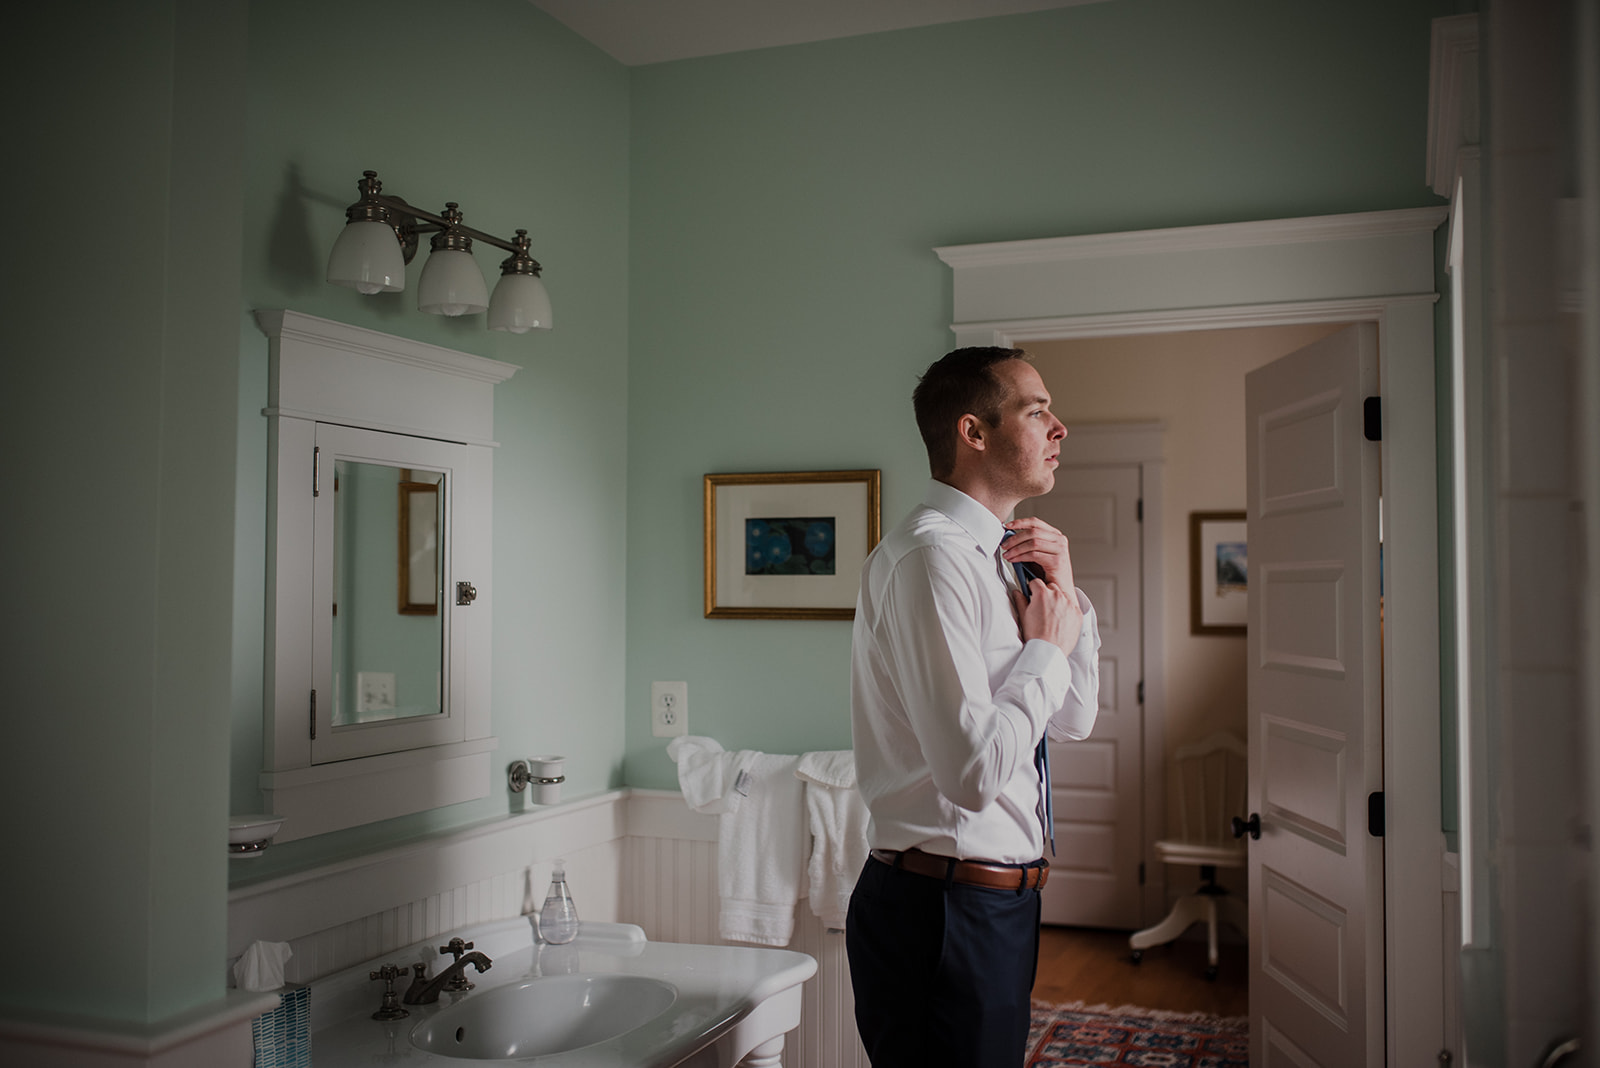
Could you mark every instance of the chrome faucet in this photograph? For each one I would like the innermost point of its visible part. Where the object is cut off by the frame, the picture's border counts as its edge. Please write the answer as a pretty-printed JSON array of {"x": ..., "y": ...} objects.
[{"x": 425, "y": 991}]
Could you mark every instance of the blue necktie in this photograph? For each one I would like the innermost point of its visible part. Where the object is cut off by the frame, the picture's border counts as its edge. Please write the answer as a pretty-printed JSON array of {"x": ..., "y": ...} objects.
[{"x": 1026, "y": 573}]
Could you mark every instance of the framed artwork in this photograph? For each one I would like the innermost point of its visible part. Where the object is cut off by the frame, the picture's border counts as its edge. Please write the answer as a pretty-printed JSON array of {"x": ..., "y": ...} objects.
[
  {"x": 788, "y": 545},
  {"x": 1218, "y": 573},
  {"x": 419, "y": 547}
]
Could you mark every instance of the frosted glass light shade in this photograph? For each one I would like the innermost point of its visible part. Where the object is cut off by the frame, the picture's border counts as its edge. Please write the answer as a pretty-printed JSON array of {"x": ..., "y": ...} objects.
[
  {"x": 451, "y": 284},
  {"x": 367, "y": 258},
  {"x": 520, "y": 304}
]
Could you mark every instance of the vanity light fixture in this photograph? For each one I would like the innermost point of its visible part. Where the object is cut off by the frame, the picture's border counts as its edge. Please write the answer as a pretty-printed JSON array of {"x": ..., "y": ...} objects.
[{"x": 381, "y": 235}]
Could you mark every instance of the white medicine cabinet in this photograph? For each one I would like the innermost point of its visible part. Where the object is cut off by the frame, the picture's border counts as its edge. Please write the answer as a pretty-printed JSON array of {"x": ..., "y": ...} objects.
[{"x": 379, "y": 592}]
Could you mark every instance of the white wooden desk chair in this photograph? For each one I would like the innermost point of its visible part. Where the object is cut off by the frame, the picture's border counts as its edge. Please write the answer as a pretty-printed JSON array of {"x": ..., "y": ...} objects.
[{"x": 1211, "y": 785}]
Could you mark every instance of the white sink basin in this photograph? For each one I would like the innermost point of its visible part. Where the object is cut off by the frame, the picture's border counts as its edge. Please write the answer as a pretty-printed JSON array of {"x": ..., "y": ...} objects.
[
  {"x": 610, "y": 999},
  {"x": 551, "y": 1014}
]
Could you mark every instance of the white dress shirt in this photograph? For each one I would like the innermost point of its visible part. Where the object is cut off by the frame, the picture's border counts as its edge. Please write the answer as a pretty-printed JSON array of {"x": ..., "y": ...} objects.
[{"x": 947, "y": 702}]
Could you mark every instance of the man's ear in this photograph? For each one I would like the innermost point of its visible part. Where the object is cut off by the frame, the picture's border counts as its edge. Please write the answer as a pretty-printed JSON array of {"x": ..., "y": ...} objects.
[{"x": 969, "y": 432}]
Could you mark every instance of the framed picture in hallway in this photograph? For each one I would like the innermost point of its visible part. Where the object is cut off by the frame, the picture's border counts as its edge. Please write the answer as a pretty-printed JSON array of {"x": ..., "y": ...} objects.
[
  {"x": 788, "y": 545},
  {"x": 1219, "y": 573}
]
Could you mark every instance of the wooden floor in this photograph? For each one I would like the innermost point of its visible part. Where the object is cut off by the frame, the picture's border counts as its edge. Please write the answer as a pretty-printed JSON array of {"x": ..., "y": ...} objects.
[{"x": 1094, "y": 967}]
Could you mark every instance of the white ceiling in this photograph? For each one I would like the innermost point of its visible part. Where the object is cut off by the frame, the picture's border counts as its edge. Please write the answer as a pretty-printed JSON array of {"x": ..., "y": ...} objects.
[{"x": 635, "y": 32}]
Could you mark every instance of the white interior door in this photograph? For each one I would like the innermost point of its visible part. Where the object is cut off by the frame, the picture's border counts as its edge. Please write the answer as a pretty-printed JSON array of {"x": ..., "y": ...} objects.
[
  {"x": 1315, "y": 686},
  {"x": 1096, "y": 783}
]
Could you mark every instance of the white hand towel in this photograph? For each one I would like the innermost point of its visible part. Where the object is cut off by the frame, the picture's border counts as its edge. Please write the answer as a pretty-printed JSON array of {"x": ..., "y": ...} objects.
[
  {"x": 707, "y": 772},
  {"x": 838, "y": 820},
  {"x": 761, "y": 834},
  {"x": 761, "y": 851}
]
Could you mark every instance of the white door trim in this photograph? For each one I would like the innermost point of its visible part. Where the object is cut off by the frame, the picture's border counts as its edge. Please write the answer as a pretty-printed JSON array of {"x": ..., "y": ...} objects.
[
  {"x": 1098, "y": 444},
  {"x": 1377, "y": 267}
]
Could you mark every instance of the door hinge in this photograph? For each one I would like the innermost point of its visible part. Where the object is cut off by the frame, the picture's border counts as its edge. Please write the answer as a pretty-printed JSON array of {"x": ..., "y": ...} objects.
[
  {"x": 313, "y": 715},
  {"x": 1375, "y": 814},
  {"x": 1372, "y": 418},
  {"x": 1141, "y": 691},
  {"x": 1141, "y": 509},
  {"x": 1141, "y": 873},
  {"x": 316, "y": 472}
]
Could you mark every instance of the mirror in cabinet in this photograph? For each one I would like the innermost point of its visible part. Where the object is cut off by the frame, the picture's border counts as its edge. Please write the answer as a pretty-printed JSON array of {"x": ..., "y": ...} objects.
[{"x": 380, "y": 491}]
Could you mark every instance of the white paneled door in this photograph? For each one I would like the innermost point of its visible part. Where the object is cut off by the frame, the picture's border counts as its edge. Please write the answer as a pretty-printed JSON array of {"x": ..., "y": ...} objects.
[
  {"x": 1096, "y": 783},
  {"x": 1315, "y": 695}
]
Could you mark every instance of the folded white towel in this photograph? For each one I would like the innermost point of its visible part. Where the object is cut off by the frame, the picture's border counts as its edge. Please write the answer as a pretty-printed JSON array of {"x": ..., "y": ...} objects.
[
  {"x": 838, "y": 820},
  {"x": 761, "y": 834}
]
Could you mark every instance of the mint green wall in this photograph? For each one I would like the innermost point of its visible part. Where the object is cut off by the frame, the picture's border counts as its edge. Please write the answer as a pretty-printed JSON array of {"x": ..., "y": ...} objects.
[
  {"x": 784, "y": 295},
  {"x": 494, "y": 105},
  {"x": 117, "y": 414}
]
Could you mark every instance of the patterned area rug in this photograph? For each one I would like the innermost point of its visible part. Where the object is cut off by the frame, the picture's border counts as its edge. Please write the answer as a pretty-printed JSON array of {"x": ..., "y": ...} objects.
[{"x": 1063, "y": 1035}]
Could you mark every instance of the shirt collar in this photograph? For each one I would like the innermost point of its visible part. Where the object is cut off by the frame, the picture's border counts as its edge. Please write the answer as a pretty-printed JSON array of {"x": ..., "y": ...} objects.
[{"x": 971, "y": 516}]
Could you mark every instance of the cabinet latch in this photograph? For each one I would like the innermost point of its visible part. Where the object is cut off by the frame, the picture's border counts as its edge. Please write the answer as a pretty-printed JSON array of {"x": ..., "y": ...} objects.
[{"x": 466, "y": 593}]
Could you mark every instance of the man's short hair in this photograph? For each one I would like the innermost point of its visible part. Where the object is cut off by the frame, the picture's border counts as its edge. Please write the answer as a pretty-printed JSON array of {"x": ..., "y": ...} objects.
[{"x": 959, "y": 383}]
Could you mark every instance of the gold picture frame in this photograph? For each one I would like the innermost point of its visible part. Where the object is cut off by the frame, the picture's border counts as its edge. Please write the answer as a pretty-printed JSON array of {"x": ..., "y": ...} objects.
[
  {"x": 418, "y": 580},
  {"x": 790, "y": 544}
]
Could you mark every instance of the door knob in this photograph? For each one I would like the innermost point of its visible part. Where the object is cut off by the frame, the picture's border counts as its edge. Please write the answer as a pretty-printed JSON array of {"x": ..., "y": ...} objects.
[{"x": 1251, "y": 825}]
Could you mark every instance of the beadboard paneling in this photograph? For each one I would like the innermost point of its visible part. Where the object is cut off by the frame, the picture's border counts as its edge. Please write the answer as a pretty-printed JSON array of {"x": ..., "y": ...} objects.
[
  {"x": 345, "y": 913},
  {"x": 499, "y": 897},
  {"x": 671, "y": 892}
]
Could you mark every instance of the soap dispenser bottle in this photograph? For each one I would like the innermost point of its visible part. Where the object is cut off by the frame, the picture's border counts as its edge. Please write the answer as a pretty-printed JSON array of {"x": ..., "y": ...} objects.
[{"x": 558, "y": 920}]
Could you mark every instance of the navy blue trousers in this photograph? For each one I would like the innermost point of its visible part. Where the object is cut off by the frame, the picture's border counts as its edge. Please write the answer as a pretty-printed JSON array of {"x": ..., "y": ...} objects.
[{"x": 943, "y": 974}]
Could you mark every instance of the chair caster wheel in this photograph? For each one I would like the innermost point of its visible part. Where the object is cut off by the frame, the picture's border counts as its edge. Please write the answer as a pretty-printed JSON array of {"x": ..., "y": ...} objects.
[
  {"x": 1137, "y": 955},
  {"x": 1211, "y": 973}
]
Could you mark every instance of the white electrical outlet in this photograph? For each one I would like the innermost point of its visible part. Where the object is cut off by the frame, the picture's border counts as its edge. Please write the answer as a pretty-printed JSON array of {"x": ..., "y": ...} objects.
[{"x": 669, "y": 709}]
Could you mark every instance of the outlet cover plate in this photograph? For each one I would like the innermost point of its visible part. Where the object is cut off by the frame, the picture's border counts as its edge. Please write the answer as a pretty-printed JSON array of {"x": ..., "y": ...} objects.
[
  {"x": 374, "y": 691},
  {"x": 669, "y": 709}
]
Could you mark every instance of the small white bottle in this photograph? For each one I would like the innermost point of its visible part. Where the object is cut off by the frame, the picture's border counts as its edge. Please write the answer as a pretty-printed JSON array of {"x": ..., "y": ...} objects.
[{"x": 558, "y": 920}]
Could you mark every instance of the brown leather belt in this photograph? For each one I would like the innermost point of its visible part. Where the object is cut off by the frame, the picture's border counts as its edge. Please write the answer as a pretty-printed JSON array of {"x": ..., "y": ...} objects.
[{"x": 971, "y": 872}]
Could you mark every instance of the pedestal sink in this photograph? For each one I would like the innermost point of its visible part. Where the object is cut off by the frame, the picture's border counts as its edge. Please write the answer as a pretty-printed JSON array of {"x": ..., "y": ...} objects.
[
  {"x": 552, "y": 1014},
  {"x": 610, "y": 999}
]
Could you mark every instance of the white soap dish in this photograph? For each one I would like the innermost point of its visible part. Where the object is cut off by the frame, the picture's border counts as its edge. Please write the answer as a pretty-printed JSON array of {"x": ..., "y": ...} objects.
[{"x": 249, "y": 835}]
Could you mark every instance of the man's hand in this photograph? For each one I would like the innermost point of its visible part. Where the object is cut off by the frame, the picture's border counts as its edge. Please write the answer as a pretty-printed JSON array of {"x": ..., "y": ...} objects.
[
  {"x": 1050, "y": 614},
  {"x": 1037, "y": 541}
]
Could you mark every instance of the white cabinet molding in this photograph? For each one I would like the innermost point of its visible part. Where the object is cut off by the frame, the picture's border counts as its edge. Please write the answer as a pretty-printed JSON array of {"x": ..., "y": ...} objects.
[
  {"x": 415, "y": 396},
  {"x": 331, "y": 372}
]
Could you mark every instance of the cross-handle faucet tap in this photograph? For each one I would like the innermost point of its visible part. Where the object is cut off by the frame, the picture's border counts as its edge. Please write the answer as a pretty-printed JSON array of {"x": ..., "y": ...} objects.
[
  {"x": 425, "y": 991},
  {"x": 390, "y": 1008},
  {"x": 460, "y": 983}
]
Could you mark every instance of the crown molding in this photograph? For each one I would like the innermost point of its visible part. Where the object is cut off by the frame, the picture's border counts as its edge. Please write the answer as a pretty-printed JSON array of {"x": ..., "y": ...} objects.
[
  {"x": 1016, "y": 331},
  {"x": 1452, "y": 97},
  {"x": 1348, "y": 227},
  {"x": 279, "y": 323}
]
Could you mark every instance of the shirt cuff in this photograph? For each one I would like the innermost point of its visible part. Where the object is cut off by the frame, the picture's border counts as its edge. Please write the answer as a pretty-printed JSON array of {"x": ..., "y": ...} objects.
[{"x": 1046, "y": 661}]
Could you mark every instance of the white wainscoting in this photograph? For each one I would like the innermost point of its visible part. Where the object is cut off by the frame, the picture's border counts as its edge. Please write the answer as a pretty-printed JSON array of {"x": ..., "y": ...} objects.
[
  {"x": 351, "y": 911},
  {"x": 633, "y": 856},
  {"x": 670, "y": 890}
]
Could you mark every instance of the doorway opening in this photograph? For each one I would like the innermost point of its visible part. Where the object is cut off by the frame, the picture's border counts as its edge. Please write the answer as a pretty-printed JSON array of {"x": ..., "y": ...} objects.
[{"x": 1189, "y": 385}]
